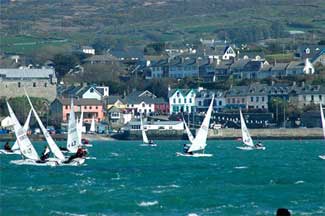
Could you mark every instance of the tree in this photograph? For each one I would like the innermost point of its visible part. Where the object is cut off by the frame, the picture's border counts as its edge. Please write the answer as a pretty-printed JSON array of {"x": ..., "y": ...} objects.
[{"x": 64, "y": 62}]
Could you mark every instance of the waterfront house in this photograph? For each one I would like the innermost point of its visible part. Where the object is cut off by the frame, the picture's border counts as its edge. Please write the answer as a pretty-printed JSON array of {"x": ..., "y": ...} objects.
[
  {"x": 183, "y": 67},
  {"x": 144, "y": 102},
  {"x": 181, "y": 100},
  {"x": 203, "y": 100},
  {"x": 101, "y": 59},
  {"x": 305, "y": 95},
  {"x": 300, "y": 68},
  {"x": 38, "y": 82},
  {"x": 90, "y": 108}
]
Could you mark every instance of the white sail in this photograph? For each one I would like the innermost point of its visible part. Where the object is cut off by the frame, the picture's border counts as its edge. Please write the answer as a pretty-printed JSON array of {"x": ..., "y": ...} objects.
[
  {"x": 189, "y": 134},
  {"x": 144, "y": 135},
  {"x": 54, "y": 148},
  {"x": 80, "y": 126},
  {"x": 93, "y": 126},
  {"x": 25, "y": 146},
  {"x": 247, "y": 139},
  {"x": 199, "y": 141},
  {"x": 26, "y": 127},
  {"x": 73, "y": 139},
  {"x": 323, "y": 119}
]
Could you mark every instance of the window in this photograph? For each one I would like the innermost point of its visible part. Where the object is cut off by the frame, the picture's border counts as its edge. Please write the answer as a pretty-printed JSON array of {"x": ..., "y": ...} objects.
[
  {"x": 96, "y": 107},
  {"x": 184, "y": 100},
  {"x": 263, "y": 99},
  {"x": 143, "y": 105},
  {"x": 66, "y": 106},
  {"x": 312, "y": 98},
  {"x": 174, "y": 100},
  {"x": 179, "y": 100},
  {"x": 252, "y": 99},
  {"x": 190, "y": 100},
  {"x": 320, "y": 97},
  {"x": 257, "y": 99},
  {"x": 34, "y": 84},
  {"x": 200, "y": 103},
  {"x": 177, "y": 94},
  {"x": 45, "y": 85},
  {"x": 19, "y": 84},
  {"x": 243, "y": 100},
  {"x": 90, "y": 107},
  {"x": 233, "y": 100},
  {"x": 85, "y": 107},
  {"x": 91, "y": 90},
  {"x": 220, "y": 103}
]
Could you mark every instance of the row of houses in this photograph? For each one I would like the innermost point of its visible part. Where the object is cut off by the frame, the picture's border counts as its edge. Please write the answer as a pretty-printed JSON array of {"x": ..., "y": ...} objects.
[{"x": 252, "y": 97}]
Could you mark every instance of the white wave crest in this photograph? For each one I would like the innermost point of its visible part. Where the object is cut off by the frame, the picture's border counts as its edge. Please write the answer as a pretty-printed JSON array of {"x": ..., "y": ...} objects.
[{"x": 146, "y": 204}]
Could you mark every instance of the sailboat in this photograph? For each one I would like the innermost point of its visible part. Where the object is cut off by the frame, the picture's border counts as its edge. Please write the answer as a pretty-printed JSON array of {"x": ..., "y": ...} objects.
[
  {"x": 323, "y": 126},
  {"x": 59, "y": 157},
  {"x": 145, "y": 141},
  {"x": 246, "y": 137},
  {"x": 92, "y": 125},
  {"x": 73, "y": 141},
  {"x": 188, "y": 132},
  {"x": 199, "y": 142},
  {"x": 28, "y": 152},
  {"x": 15, "y": 147}
]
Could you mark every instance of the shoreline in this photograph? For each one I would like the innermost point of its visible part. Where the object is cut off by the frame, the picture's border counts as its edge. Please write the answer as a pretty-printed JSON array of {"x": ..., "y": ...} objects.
[{"x": 213, "y": 134}]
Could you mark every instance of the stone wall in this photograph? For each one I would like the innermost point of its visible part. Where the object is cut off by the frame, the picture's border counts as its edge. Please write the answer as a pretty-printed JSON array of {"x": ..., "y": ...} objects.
[
  {"x": 282, "y": 133},
  {"x": 35, "y": 88}
]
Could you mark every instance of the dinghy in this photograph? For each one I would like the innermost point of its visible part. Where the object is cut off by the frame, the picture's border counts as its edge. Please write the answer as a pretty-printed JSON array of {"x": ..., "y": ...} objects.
[
  {"x": 246, "y": 137},
  {"x": 73, "y": 141},
  {"x": 323, "y": 126},
  {"x": 145, "y": 141},
  {"x": 15, "y": 147},
  {"x": 199, "y": 142},
  {"x": 27, "y": 150},
  {"x": 59, "y": 157}
]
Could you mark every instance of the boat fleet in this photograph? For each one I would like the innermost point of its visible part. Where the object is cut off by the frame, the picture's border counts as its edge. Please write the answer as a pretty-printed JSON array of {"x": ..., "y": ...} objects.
[
  {"x": 195, "y": 147},
  {"x": 76, "y": 153}
]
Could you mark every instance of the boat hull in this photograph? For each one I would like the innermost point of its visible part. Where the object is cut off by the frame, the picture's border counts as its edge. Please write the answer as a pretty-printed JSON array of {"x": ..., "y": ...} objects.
[
  {"x": 248, "y": 148},
  {"x": 16, "y": 152},
  {"x": 193, "y": 155},
  {"x": 149, "y": 145},
  {"x": 49, "y": 162},
  {"x": 322, "y": 157}
]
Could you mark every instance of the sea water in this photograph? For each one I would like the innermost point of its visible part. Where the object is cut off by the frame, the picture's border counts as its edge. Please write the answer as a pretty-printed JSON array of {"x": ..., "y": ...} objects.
[{"x": 129, "y": 179}]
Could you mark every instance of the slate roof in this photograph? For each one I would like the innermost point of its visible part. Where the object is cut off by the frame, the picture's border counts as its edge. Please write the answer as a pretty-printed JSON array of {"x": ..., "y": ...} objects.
[
  {"x": 100, "y": 58},
  {"x": 113, "y": 98},
  {"x": 182, "y": 91},
  {"x": 26, "y": 73},
  {"x": 80, "y": 101}
]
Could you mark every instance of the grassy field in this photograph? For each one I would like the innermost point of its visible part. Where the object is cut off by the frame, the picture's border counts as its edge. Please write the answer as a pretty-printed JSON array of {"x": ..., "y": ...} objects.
[{"x": 134, "y": 22}]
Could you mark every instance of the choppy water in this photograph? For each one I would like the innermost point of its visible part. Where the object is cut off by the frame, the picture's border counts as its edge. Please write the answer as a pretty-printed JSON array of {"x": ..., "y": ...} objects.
[{"x": 128, "y": 179}]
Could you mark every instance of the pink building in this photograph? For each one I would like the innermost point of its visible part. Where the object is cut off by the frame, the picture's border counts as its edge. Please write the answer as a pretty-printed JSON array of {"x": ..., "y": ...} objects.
[{"x": 90, "y": 108}]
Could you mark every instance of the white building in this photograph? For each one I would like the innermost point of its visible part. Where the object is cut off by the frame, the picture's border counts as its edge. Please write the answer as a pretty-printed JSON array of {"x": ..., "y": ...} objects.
[
  {"x": 88, "y": 50},
  {"x": 309, "y": 68},
  {"x": 228, "y": 53},
  {"x": 182, "y": 100},
  {"x": 95, "y": 92}
]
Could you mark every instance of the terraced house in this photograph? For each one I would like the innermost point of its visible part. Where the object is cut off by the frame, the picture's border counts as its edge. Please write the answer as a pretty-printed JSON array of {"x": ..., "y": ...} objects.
[{"x": 182, "y": 100}]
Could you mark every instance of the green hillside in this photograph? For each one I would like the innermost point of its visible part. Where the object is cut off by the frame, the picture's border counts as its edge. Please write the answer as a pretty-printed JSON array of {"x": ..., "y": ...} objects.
[{"x": 106, "y": 24}]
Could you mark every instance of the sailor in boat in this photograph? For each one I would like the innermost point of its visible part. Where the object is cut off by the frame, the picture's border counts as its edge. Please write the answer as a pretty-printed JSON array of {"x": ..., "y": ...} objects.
[
  {"x": 79, "y": 154},
  {"x": 45, "y": 155},
  {"x": 151, "y": 142},
  {"x": 186, "y": 147},
  {"x": 259, "y": 145},
  {"x": 7, "y": 147},
  {"x": 84, "y": 141}
]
